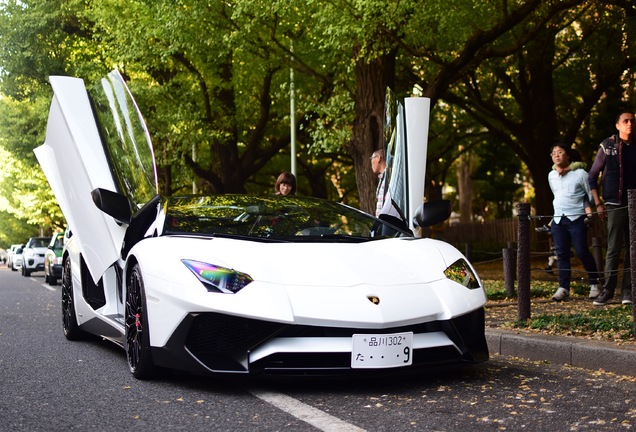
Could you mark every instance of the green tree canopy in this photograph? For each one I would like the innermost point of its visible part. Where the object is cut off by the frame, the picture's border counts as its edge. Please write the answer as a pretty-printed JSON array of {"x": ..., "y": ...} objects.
[{"x": 213, "y": 80}]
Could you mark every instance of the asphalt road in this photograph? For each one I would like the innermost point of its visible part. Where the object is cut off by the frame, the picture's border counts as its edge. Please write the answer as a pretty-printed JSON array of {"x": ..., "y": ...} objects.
[{"x": 50, "y": 384}]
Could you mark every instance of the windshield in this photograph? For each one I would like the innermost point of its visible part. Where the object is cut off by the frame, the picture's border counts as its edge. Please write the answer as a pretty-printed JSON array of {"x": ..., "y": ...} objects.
[
  {"x": 39, "y": 242},
  {"x": 57, "y": 242},
  {"x": 271, "y": 217}
]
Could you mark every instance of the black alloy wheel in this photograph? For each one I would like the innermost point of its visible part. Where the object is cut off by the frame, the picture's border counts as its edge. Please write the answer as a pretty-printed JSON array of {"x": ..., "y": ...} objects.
[
  {"x": 137, "y": 336},
  {"x": 69, "y": 321}
]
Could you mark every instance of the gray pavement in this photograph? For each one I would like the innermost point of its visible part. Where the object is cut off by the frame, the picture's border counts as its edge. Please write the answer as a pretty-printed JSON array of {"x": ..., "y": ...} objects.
[{"x": 583, "y": 353}]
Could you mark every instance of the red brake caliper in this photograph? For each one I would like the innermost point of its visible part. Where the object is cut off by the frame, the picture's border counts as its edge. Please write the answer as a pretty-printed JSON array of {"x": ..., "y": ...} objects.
[{"x": 137, "y": 321}]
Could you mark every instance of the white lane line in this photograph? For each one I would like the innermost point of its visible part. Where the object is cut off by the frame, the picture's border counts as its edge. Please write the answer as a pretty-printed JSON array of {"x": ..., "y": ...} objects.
[
  {"x": 313, "y": 416},
  {"x": 44, "y": 285}
]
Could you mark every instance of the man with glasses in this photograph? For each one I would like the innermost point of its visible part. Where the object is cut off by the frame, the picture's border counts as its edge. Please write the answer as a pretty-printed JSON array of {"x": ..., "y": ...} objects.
[
  {"x": 616, "y": 161},
  {"x": 378, "y": 165},
  {"x": 571, "y": 192}
]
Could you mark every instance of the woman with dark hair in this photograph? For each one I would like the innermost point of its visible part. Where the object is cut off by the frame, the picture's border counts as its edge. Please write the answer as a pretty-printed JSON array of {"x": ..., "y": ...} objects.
[
  {"x": 571, "y": 192},
  {"x": 285, "y": 184}
]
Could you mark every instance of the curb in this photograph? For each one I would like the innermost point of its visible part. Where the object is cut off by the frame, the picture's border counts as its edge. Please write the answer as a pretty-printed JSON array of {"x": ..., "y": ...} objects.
[{"x": 587, "y": 354}]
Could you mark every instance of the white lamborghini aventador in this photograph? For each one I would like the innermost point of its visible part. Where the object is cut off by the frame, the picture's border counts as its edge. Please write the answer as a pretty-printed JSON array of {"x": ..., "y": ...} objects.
[{"x": 251, "y": 284}]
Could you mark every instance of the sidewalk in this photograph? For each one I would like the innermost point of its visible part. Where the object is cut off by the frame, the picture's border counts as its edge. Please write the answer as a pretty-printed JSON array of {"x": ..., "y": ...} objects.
[
  {"x": 583, "y": 353},
  {"x": 588, "y": 353}
]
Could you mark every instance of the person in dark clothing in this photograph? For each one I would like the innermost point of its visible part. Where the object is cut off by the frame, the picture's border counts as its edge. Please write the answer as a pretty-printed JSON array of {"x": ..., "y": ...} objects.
[{"x": 616, "y": 161}]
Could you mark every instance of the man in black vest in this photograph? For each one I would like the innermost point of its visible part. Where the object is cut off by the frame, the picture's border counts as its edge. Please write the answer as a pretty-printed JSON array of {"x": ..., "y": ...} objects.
[{"x": 616, "y": 160}]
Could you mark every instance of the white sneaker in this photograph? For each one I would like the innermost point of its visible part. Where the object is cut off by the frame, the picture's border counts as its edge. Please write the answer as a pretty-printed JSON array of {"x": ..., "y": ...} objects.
[
  {"x": 594, "y": 291},
  {"x": 626, "y": 297},
  {"x": 561, "y": 294}
]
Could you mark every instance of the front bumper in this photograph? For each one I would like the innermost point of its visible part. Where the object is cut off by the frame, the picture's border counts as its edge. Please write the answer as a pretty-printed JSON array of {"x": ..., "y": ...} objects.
[
  {"x": 34, "y": 264},
  {"x": 208, "y": 343}
]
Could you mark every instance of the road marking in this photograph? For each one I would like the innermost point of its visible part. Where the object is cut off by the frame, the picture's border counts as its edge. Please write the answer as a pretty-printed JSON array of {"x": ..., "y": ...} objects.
[
  {"x": 44, "y": 285},
  {"x": 313, "y": 416}
]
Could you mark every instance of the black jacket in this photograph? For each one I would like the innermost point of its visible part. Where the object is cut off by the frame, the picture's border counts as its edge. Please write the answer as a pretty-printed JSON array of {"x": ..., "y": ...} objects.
[{"x": 609, "y": 162}]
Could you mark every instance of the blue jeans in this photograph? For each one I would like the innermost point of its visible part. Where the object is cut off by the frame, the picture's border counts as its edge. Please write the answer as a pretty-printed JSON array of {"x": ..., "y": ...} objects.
[
  {"x": 566, "y": 234},
  {"x": 617, "y": 236}
]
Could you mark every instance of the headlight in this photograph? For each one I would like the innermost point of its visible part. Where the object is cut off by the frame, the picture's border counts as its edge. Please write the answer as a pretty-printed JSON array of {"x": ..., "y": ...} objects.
[
  {"x": 218, "y": 279},
  {"x": 461, "y": 273}
]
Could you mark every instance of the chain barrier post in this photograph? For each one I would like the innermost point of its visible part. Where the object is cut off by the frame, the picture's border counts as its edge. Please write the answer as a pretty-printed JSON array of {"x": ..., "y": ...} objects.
[
  {"x": 509, "y": 269},
  {"x": 523, "y": 261},
  {"x": 469, "y": 252},
  {"x": 631, "y": 211}
]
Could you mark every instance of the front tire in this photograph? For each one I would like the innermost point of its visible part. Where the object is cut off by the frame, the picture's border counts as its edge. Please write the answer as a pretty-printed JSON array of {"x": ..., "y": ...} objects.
[
  {"x": 137, "y": 336},
  {"x": 69, "y": 321}
]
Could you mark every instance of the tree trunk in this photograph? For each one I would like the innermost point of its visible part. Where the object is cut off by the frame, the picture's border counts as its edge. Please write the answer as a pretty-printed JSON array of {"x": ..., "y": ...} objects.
[
  {"x": 543, "y": 193},
  {"x": 465, "y": 188},
  {"x": 371, "y": 82},
  {"x": 539, "y": 128}
]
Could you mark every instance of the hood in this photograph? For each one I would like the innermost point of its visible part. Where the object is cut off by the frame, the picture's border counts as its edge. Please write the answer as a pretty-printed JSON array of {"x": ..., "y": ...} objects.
[{"x": 387, "y": 262}]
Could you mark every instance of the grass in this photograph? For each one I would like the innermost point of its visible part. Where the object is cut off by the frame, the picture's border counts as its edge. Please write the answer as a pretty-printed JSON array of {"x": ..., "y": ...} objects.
[
  {"x": 596, "y": 321},
  {"x": 496, "y": 289}
]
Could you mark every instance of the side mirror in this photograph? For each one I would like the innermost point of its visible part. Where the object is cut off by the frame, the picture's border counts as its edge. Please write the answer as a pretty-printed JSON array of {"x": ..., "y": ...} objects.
[
  {"x": 113, "y": 204},
  {"x": 432, "y": 213}
]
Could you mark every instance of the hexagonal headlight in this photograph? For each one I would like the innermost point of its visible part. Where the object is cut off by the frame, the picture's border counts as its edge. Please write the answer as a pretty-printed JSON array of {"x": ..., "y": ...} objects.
[
  {"x": 218, "y": 279},
  {"x": 461, "y": 272}
]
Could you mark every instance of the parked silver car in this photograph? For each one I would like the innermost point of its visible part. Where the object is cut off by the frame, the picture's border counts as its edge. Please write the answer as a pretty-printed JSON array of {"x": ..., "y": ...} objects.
[
  {"x": 10, "y": 253},
  {"x": 53, "y": 259},
  {"x": 16, "y": 258}
]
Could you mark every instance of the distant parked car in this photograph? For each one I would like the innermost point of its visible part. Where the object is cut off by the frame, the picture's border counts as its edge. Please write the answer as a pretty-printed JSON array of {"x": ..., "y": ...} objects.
[
  {"x": 53, "y": 259},
  {"x": 33, "y": 255},
  {"x": 10, "y": 253},
  {"x": 16, "y": 258}
]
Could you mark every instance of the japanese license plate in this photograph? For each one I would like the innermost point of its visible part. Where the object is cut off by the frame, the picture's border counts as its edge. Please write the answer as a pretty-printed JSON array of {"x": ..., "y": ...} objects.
[{"x": 382, "y": 350}]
